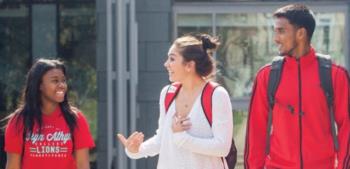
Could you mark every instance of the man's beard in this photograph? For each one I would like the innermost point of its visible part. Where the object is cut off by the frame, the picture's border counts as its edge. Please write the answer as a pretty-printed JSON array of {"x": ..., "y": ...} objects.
[{"x": 289, "y": 52}]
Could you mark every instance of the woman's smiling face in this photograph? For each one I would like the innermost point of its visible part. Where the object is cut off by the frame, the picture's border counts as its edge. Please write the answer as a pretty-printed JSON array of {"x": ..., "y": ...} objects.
[
  {"x": 175, "y": 65},
  {"x": 53, "y": 86}
]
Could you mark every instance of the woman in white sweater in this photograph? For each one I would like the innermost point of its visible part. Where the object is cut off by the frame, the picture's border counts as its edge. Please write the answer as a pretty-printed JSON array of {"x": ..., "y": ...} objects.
[{"x": 185, "y": 139}]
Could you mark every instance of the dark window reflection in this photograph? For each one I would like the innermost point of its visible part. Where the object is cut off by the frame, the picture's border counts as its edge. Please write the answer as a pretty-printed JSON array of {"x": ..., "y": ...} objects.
[
  {"x": 14, "y": 59},
  {"x": 14, "y": 54},
  {"x": 194, "y": 23},
  {"x": 77, "y": 45}
]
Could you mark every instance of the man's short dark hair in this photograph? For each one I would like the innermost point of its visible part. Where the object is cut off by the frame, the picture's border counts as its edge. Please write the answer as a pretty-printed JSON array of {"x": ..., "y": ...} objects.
[{"x": 298, "y": 15}]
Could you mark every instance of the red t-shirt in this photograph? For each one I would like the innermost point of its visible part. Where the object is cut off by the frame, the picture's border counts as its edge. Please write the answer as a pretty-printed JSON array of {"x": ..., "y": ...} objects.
[{"x": 52, "y": 148}]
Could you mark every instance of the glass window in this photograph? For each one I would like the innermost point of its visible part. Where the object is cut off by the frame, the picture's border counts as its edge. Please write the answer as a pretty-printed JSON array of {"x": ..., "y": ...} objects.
[
  {"x": 329, "y": 36},
  {"x": 14, "y": 55},
  {"x": 77, "y": 47},
  {"x": 246, "y": 46},
  {"x": 247, "y": 43},
  {"x": 44, "y": 30},
  {"x": 187, "y": 23},
  {"x": 76, "y": 38}
]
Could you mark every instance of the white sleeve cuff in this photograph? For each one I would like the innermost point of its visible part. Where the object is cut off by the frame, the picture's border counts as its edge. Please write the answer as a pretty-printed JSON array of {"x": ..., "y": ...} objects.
[{"x": 134, "y": 155}]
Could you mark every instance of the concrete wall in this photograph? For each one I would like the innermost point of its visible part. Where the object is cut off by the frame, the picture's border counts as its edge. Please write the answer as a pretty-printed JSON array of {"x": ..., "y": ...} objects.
[
  {"x": 104, "y": 158},
  {"x": 154, "y": 38}
]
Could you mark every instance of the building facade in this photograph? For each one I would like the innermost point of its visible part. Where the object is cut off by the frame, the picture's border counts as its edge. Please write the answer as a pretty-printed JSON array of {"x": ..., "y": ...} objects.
[{"x": 115, "y": 50}]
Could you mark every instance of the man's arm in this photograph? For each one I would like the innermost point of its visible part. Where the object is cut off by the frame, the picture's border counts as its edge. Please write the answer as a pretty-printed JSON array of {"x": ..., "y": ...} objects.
[
  {"x": 342, "y": 115},
  {"x": 254, "y": 153}
]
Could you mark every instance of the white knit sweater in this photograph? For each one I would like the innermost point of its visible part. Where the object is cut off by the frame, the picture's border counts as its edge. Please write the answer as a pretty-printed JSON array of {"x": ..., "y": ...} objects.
[{"x": 200, "y": 147}]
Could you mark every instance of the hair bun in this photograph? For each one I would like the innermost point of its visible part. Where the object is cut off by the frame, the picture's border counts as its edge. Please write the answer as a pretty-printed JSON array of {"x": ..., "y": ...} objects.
[{"x": 207, "y": 43}]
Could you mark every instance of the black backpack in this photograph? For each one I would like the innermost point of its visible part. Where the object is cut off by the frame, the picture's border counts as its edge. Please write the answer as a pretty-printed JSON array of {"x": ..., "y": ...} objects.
[
  {"x": 206, "y": 101},
  {"x": 2, "y": 151},
  {"x": 324, "y": 69}
]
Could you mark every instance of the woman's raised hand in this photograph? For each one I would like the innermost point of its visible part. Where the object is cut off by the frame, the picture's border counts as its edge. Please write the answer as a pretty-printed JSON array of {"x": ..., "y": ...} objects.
[{"x": 132, "y": 143}]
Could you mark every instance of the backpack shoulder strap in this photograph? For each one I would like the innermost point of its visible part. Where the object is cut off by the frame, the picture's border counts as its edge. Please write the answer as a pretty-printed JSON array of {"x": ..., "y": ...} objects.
[
  {"x": 324, "y": 65},
  {"x": 170, "y": 95},
  {"x": 324, "y": 68},
  {"x": 274, "y": 79},
  {"x": 325, "y": 73},
  {"x": 206, "y": 100}
]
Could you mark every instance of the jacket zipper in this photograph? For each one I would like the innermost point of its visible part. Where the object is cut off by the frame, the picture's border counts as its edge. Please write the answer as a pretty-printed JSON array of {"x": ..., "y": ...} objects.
[{"x": 300, "y": 116}]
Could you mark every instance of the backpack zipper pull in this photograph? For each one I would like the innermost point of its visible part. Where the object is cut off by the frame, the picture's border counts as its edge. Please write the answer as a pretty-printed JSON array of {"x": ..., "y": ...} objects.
[{"x": 291, "y": 108}]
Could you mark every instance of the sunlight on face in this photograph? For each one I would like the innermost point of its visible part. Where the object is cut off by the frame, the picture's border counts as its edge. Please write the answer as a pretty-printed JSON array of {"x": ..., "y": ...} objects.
[{"x": 175, "y": 65}]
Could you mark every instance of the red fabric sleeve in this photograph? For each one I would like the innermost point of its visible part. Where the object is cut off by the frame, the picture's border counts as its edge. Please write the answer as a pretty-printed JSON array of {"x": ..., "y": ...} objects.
[
  {"x": 342, "y": 115},
  {"x": 82, "y": 135},
  {"x": 254, "y": 153},
  {"x": 14, "y": 136}
]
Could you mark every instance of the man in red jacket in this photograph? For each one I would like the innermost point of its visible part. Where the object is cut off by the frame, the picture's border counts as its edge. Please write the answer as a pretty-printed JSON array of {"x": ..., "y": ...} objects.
[{"x": 301, "y": 132}]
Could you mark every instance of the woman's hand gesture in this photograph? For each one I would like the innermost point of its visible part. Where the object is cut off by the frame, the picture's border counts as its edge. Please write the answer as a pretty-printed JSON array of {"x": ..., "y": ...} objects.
[
  {"x": 132, "y": 143},
  {"x": 181, "y": 123}
]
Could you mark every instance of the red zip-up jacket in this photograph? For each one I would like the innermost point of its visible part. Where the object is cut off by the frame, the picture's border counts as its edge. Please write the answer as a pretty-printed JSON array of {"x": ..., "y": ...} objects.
[{"x": 301, "y": 133}]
